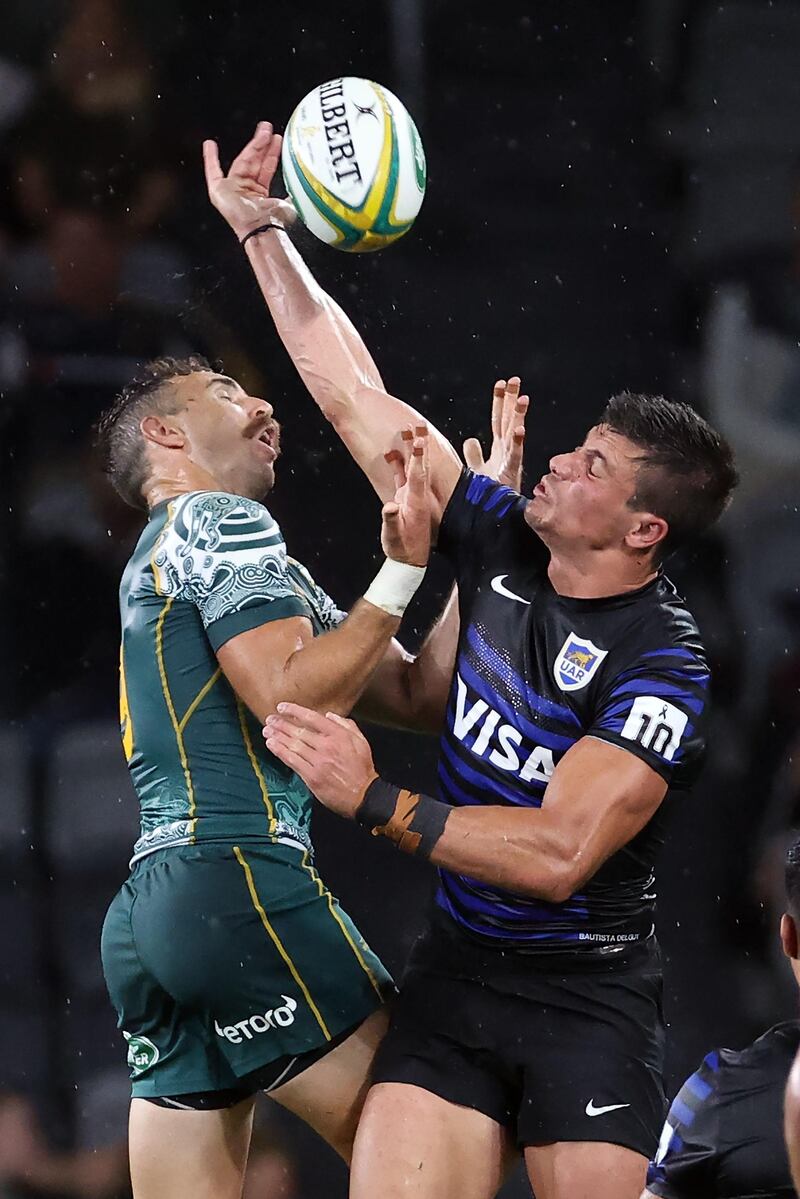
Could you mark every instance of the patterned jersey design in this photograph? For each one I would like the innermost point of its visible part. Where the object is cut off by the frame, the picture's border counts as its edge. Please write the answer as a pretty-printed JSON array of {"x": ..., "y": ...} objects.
[
  {"x": 536, "y": 672},
  {"x": 208, "y": 567},
  {"x": 724, "y": 1132}
]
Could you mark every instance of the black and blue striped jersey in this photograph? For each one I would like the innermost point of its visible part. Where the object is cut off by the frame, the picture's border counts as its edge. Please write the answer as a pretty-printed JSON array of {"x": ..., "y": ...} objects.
[
  {"x": 724, "y": 1132},
  {"x": 535, "y": 672}
]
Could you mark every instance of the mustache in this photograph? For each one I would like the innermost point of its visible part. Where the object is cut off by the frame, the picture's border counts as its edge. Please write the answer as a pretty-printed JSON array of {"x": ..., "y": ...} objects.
[{"x": 271, "y": 426}]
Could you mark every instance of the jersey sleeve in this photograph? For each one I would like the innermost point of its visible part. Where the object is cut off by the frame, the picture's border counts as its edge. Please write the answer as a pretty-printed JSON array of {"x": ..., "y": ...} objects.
[
  {"x": 480, "y": 520},
  {"x": 226, "y": 555},
  {"x": 685, "y": 1165},
  {"x": 657, "y": 709},
  {"x": 328, "y": 612}
]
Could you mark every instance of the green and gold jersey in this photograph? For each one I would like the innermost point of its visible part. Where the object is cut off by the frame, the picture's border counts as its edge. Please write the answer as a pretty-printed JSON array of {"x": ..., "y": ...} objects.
[{"x": 207, "y": 566}]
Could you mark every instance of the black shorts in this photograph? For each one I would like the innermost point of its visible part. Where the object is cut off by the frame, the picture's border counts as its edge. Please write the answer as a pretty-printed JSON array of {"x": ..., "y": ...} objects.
[{"x": 572, "y": 1052}]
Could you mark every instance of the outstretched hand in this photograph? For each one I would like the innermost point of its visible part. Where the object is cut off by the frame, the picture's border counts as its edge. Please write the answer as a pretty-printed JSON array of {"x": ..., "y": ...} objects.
[
  {"x": 504, "y": 463},
  {"x": 242, "y": 196},
  {"x": 406, "y": 531}
]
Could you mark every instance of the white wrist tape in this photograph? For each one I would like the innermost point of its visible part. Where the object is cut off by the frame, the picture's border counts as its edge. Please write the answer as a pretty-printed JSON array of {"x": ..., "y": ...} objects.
[{"x": 394, "y": 586}]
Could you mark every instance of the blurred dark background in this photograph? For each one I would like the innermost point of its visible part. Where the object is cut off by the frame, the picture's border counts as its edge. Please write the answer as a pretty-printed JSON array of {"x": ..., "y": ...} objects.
[{"x": 613, "y": 202}]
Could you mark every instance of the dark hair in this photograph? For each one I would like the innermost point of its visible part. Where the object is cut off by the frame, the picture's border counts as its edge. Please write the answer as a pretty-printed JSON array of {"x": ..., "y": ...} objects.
[
  {"x": 118, "y": 433},
  {"x": 687, "y": 472},
  {"x": 792, "y": 877}
]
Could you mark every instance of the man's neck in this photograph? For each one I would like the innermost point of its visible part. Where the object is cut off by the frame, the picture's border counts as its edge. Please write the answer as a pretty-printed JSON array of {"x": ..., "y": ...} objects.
[
  {"x": 597, "y": 576},
  {"x": 186, "y": 478}
]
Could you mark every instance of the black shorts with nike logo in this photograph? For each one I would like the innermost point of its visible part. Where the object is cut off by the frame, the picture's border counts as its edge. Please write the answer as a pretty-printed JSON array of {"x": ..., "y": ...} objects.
[{"x": 560, "y": 1051}]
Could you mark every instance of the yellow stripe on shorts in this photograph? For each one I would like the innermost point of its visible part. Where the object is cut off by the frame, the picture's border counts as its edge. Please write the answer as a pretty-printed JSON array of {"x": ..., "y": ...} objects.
[
  {"x": 251, "y": 886},
  {"x": 323, "y": 890}
]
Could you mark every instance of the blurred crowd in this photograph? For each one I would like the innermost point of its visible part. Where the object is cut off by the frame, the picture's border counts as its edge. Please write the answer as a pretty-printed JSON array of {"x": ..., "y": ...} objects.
[{"x": 614, "y": 201}]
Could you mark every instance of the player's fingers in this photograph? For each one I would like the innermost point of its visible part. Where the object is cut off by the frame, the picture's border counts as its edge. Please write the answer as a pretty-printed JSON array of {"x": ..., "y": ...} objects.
[
  {"x": 416, "y": 471},
  {"x": 518, "y": 416},
  {"x": 509, "y": 401},
  {"x": 211, "y": 164},
  {"x": 395, "y": 460},
  {"x": 271, "y": 160},
  {"x": 248, "y": 162},
  {"x": 289, "y": 755},
  {"x": 350, "y": 725},
  {"x": 297, "y": 735},
  {"x": 299, "y": 715},
  {"x": 497, "y": 407},
  {"x": 473, "y": 454}
]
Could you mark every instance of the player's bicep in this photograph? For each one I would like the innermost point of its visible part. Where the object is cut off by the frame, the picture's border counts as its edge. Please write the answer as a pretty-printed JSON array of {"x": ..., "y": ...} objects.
[
  {"x": 393, "y": 698},
  {"x": 598, "y": 798},
  {"x": 254, "y": 662}
]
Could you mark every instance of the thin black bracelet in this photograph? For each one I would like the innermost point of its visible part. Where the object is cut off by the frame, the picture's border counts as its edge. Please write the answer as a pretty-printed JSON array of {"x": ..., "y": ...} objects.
[{"x": 261, "y": 229}]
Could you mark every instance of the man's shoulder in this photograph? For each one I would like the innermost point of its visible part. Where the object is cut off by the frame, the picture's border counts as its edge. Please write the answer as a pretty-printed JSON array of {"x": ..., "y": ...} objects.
[
  {"x": 213, "y": 540},
  {"x": 213, "y": 520},
  {"x": 665, "y": 628},
  {"x": 774, "y": 1051}
]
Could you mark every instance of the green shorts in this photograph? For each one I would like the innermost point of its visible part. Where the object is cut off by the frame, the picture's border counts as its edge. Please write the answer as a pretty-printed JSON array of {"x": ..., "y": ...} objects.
[{"x": 220, "y": 959}]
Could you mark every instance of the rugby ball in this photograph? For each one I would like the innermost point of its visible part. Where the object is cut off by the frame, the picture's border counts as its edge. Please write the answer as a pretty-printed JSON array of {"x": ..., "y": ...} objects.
[{"x": 353, "y": 164}]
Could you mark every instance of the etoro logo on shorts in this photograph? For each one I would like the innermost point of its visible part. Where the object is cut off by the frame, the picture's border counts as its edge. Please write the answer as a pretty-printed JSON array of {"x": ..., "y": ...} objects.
[
  {"x": 260, "y": 1022},
  {"x": 142, "y": 1054}
]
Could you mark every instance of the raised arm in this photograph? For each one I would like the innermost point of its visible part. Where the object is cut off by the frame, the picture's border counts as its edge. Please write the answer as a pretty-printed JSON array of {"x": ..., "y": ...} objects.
[
  {"x": 411, "y": 692},
  {"x": 329, "y": 354},
  {"x": 282, "y": 660}
]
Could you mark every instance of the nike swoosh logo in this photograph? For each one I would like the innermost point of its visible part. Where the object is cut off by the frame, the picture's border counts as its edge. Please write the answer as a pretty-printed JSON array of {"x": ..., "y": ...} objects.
[
  {"x": 591, "y": 1110},
  {"x": 497, "y": 585}
]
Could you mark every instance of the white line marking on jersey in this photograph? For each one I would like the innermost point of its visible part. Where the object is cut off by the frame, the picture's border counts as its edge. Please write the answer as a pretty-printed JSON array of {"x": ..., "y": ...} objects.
[
  {"x": 497, "y": 585},
  {"x": 591, "y": 1110}
]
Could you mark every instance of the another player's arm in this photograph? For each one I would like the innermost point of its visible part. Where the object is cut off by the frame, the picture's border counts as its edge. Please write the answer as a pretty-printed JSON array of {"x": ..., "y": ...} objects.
[
  {"x": 329, "y": 354},
  {"x": 411, "y": 692},
  {"x": 282, "y": 660},
  {"x": 599, "y": 797}
]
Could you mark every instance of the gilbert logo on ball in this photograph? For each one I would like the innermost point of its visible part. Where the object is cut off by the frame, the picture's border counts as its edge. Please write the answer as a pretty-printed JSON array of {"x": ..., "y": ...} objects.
[{"x": 353, "y": 164}]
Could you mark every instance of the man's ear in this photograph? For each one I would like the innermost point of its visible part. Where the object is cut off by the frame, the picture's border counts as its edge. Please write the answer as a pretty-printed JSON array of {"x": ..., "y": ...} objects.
[
  {"x": 647, "y": 532},
  {"x": 162, "y": 431},
  {"x": 789, "y": 938}
]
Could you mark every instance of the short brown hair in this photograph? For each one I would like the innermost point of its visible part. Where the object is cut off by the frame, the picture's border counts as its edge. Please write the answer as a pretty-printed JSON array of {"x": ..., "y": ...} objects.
[
  {"x": 118, "y": 432},
  {"x": 687, "y": 472}
]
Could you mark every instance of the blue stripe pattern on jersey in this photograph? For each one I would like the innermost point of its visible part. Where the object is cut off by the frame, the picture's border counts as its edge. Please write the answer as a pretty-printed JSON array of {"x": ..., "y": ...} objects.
[
  {"x": 512, "y": 714},
  {"x": 493, "y": 790},
  {"x": 524, "y": 726},
  {"x": 489, "y": 657},
  {"x": 683, "y": 1112},
  {"x": 495, "y": 922}
]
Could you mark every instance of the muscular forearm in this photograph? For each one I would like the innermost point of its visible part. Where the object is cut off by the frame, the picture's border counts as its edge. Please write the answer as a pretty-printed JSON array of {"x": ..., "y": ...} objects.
[
  {"x": 519, "y": 850},
  {"x": 330, "y": 672},
  {"x": 410, "y": 692},
  {"x": 431, "y": 672},
  {"x": 271, "y": 665},
  {"x": 337, "y": 368}
]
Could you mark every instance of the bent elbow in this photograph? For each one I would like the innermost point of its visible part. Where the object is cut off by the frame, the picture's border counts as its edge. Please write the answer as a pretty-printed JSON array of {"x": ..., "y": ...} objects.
[{"x": 561, "y": 882}]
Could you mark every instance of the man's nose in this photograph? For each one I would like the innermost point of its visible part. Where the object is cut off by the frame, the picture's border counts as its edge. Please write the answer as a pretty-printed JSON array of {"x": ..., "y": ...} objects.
[
  {"x": 563, "y": 465},
  {"x": 258, "y": 409}
]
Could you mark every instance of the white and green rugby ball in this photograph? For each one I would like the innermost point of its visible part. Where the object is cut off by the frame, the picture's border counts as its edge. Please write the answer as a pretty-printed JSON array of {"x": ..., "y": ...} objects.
[{"x": 353, "y": 164}]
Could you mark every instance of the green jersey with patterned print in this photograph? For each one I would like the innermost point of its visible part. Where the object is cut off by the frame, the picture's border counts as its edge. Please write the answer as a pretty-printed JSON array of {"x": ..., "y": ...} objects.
[{"x": 207, "y": 566}]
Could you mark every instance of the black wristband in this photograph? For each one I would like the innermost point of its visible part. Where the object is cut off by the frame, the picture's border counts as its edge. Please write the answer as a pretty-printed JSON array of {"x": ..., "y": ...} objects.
[
  {"x": 378, "y": 804},
  {"x": 414, "y": 822},
  {"x": 261, "y": 229}
]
